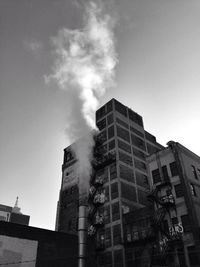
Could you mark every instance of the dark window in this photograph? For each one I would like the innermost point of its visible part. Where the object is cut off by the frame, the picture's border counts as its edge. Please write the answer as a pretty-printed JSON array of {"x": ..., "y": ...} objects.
[
  {"x": 110, "y": 119},
  {"x": 114, "y": 191},
  {"x": 107, "y": 194},
  {"x": 179, "y": 190},
  {"x": 124, "y": 146},
  {"x": 187, "y": 227},
  {"x": 135, "y": 117},
  {"x": 165, "y": 172},
  {"x": 151, "y": 149},
  {"x": 136, "y": 131},
  {"x": 109, "y": 106},
  {"x": 103, "y": 136},
  {"x": 122, "y": 133},
  {"x": 107, "y": 214},
  {"x": 193, "y": 254},
  {"x": 111, "y": 132},
  {"x": 115, "y": 211},
  {"x": 111, "y": 144},
  {"x": 126, "y": 173},
  {"x": 156, "y": 176},
  {"x": 120, "y": 108},
  {"x": 128, "y": 192},
  {"x": 118, "y": 258},
  {"x": 142, "y": 198},
  {"x": 101, "y": 124},
  {"x": 107, "y": 237},
  {"x": 142, "y": 179},
  {"x": 138, "y": 153},
  {"x": 136, "y": 141},
  {"x": 150, "y": 137},
  {"x": 116, "y": 234},
  {"x": 125, "y": 158},
  {"x": 68, "y": 156},
  {"x": 122, "y": 123},
  {"x": 193, "y": 190},
  {"x": 173, "y": 168},
  {"x": 194, "y": 172},
  {"x": 100, "y": 113},
  {"x": 113, "y": 171},
  {"x": 140, "y": 165}
]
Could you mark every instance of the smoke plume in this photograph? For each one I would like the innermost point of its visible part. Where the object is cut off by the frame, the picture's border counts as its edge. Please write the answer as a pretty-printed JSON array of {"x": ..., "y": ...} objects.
[{"x": 84, "y": 66}]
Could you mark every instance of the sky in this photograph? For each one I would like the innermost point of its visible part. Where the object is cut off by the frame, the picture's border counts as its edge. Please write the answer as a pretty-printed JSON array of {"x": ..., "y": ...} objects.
[{"x": 157, "y": 75}]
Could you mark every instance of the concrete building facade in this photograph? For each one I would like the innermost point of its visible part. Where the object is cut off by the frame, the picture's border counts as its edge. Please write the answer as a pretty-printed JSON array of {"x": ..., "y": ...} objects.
[
  {"x": 175, "y": 179},
  {"x": 125, "y": 180}
]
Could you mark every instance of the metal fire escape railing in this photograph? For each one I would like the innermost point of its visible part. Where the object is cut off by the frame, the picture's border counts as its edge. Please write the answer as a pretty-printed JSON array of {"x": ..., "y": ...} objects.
[
  {"x": 167, "y": 239},
  {"x": 97, "y": 196}
]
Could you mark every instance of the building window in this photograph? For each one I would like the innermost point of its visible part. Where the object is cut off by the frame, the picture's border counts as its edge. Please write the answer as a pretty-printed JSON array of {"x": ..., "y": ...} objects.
[
  {"x": 138, "y": 142},
  {"x": 115, "y": 211},
  {"x": 124, "y": 134},
  {"x": 142, "y": 198},
  {"x": 120, "y": 108},
  {"x": 114, "y": 191},
  {"x": 156, "y": 176},
  {"x": 128, "y": 192},
  {"x": 185, "y": 219},
  {"x": 111, "y": 145},
  {"x": 165, "y": 172},
  {"x": 193, "y": 190},
  {"x": 136, "y": 131},
  {"x": 111, "y": 132},
  {"x": 140, "y": 165},
  {"x": 126, "y": 173},
  {"x": 194, "y": 172},
  {"x": 135, "y": 117},
  {"x": 110, "y": 119},
  {"x": 138, "y": 153},
  {"x": 101, "y": 124},
  {"x": 151, "y": 149},
  {"x": 109, "y": 106},
  {"x": 141, "y": 179},
  {"x": 100, "y": 113},
  {"x": 122, "y": 123},
  {"x": 107, "y": 194},
  {"x": 173, "y": 168},
  {"x": 113, "y": 171},
  {"x": 103, "y": 136},
  {"x": 179, "y": 190},
  {"x": 107, "y": 214},
  {"x": 125, "y": 158},
  {"x": 116, "y": 234},
  {"x": 124, "y": 146}
]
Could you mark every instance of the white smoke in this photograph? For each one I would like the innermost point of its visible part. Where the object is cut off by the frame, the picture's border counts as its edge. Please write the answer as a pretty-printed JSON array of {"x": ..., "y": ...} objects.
[{"x": 85, "y": 62}]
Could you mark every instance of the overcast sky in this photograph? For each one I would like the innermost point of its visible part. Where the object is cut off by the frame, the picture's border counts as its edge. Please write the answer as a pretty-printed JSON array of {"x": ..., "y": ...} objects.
[{"x": 158, "y": 47}]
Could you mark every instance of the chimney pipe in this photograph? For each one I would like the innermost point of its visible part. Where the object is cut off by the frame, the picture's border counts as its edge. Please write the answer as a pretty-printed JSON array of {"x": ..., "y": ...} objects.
[{"x": 82, "y": 233}]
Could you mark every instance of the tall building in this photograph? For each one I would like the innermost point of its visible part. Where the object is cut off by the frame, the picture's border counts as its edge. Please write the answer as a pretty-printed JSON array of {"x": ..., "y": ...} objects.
[
  {"x": 125, "y": 181},
  {"x": 13, "y": 214}
]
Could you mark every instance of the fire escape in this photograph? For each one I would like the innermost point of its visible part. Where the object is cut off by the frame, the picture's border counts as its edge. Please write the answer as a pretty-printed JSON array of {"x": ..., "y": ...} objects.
[
  {"x": 167, "y": 238},
  {"x": 97, "y": 196}
]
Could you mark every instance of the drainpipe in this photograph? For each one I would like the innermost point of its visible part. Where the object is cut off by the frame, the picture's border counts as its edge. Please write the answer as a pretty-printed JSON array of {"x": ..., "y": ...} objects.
[{"x": 82, "y": 232}]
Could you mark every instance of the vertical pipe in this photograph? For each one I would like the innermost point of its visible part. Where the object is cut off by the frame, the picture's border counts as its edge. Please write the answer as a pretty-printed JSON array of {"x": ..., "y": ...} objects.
[{"x": 82, "y": 234}]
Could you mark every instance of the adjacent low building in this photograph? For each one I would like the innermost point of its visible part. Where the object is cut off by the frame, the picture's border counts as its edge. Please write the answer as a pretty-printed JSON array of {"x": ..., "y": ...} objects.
[{"x": 22, "y": 245}]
